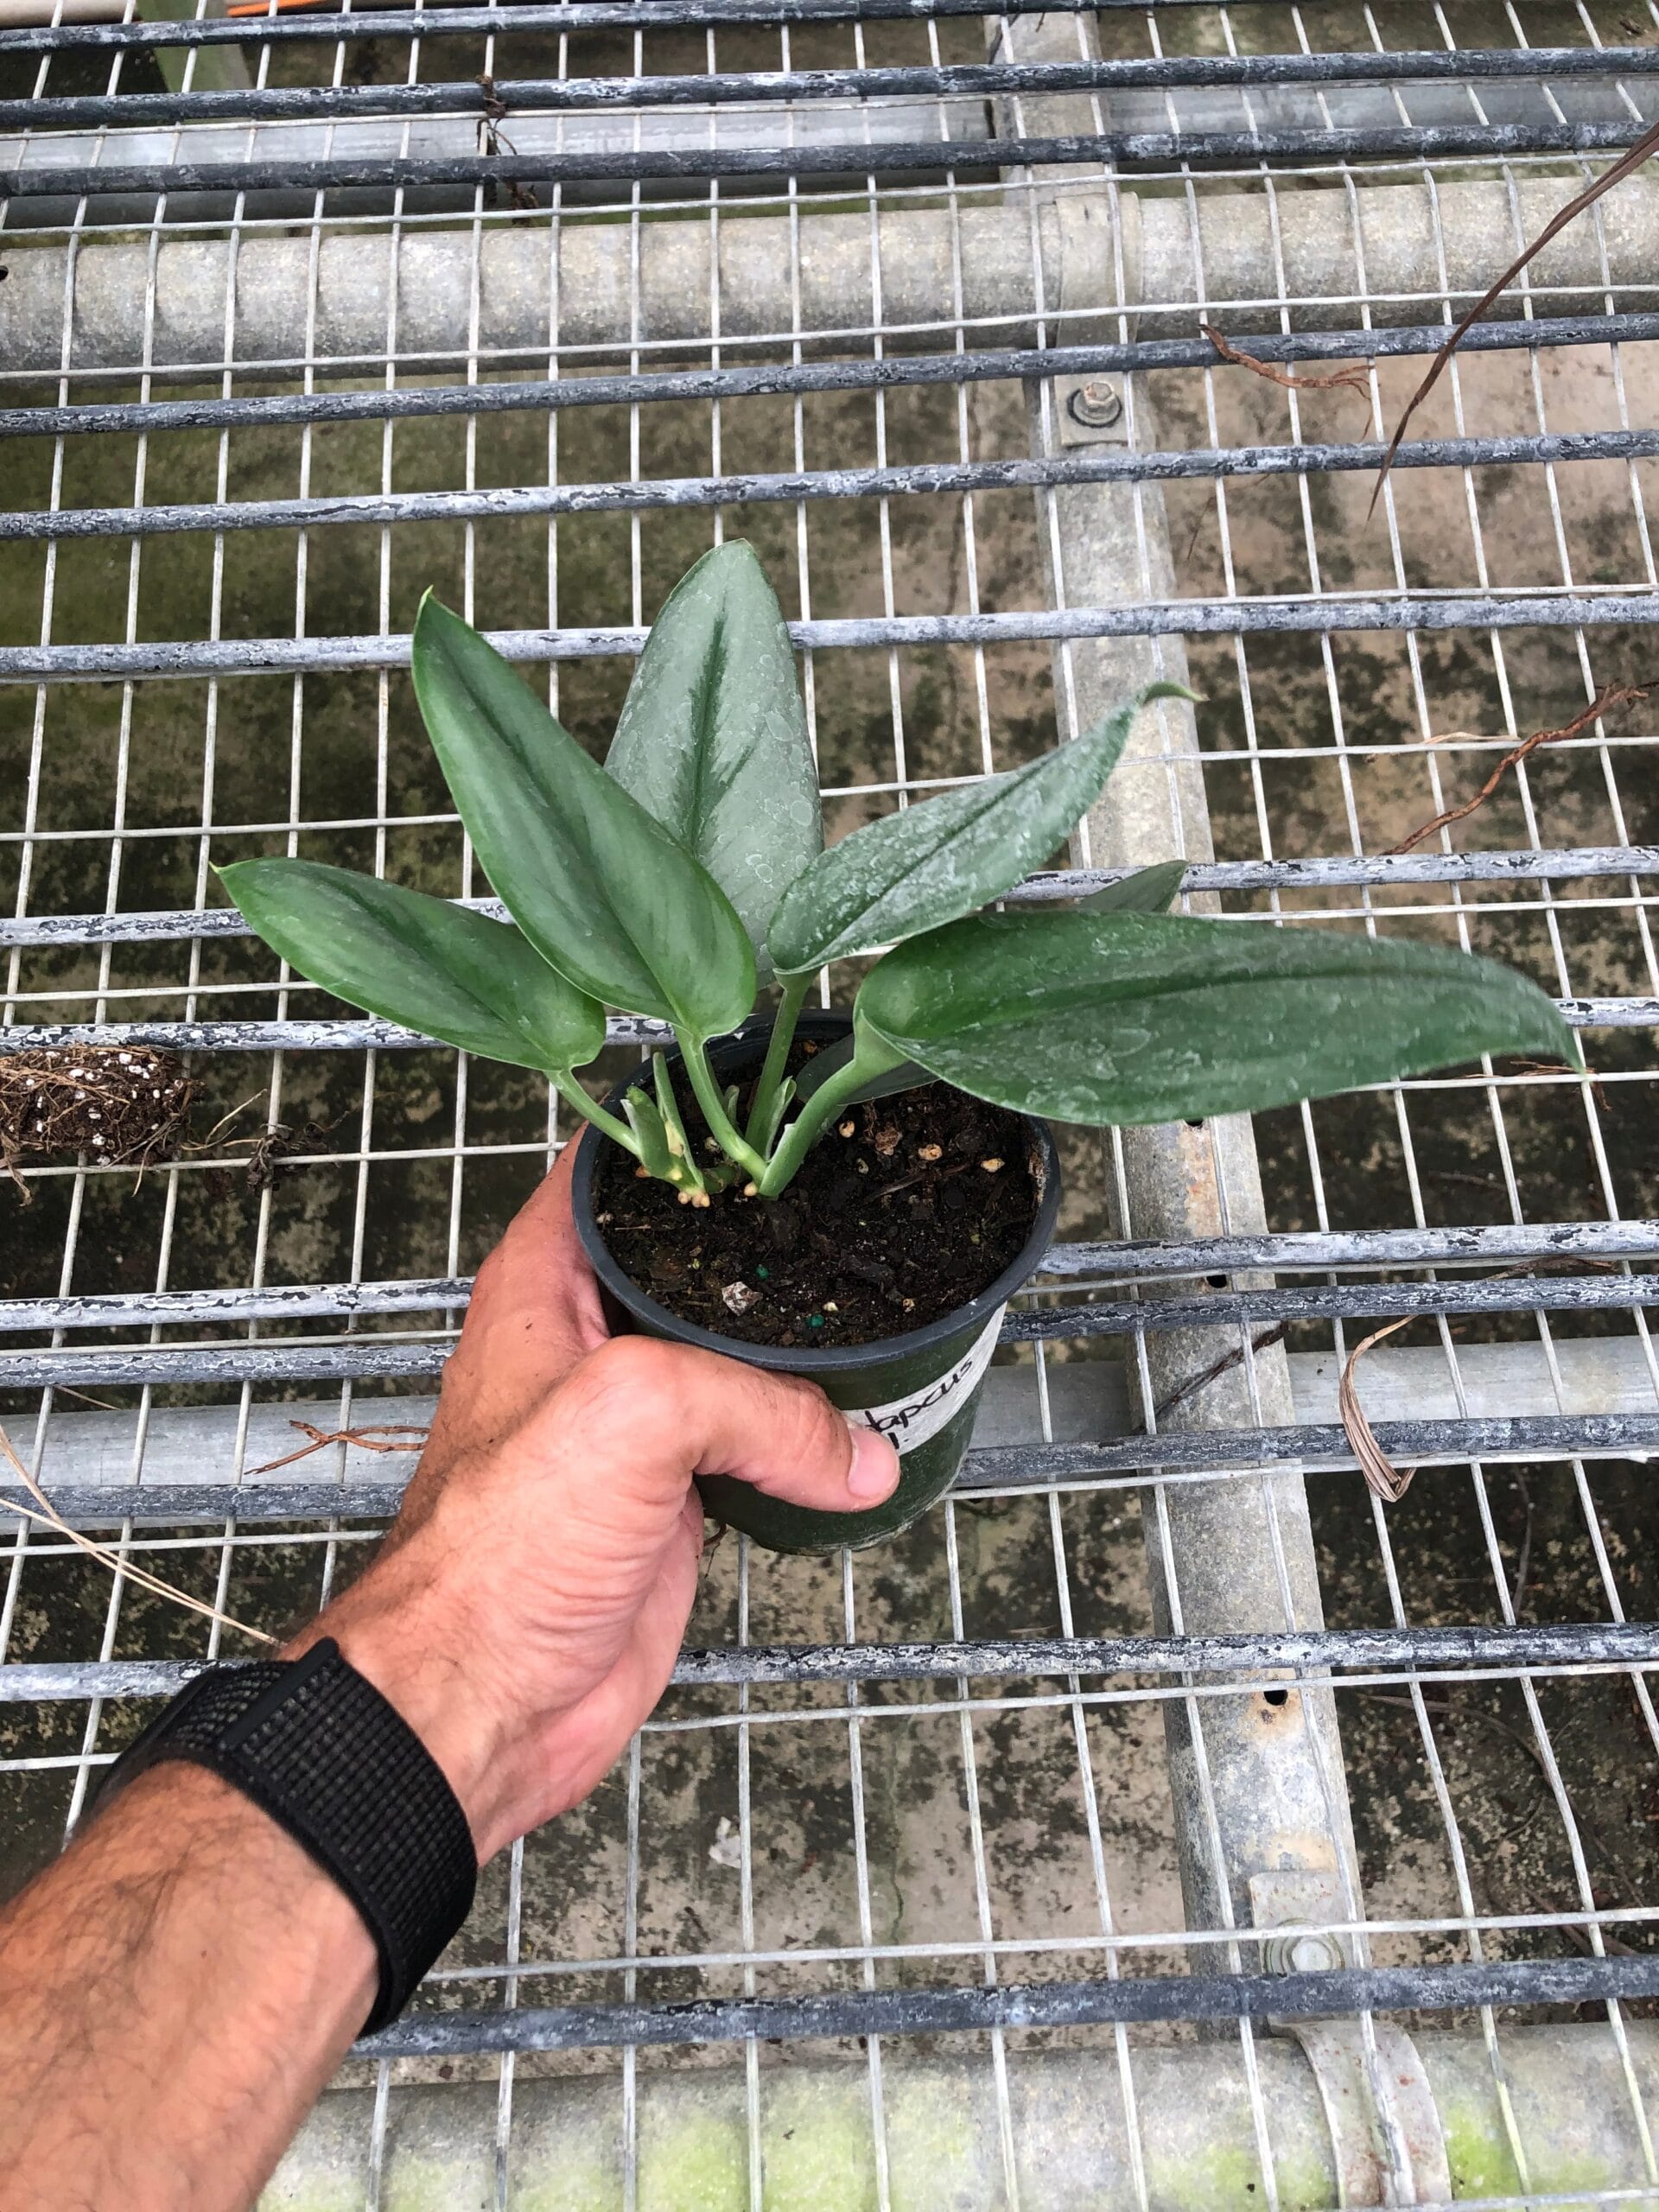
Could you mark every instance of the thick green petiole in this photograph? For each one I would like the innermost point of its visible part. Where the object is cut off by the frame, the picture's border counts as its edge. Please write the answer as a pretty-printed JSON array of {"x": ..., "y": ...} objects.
[
  {"x": 761, "y": 1113},
  {"x": 712, "y": 1100},
  {"x": 871, "y": 1058},
  {"x": 573, "y": 1093},
  {"x": 685, "y": 1172}
]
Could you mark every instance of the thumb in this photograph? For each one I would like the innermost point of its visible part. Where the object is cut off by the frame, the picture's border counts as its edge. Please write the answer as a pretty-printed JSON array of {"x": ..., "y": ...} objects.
[{"x": 682, "y": 1411}]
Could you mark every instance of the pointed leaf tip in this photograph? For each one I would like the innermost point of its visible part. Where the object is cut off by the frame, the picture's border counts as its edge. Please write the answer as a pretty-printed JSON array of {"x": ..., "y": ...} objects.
[
  {"x": 713, "y": 740},
  {"x": 421, "y": 962},
  {"x": 1126, "y": 1018},
  {"x": 920, "y": 869},
  {"x": 601, "y": 890}
]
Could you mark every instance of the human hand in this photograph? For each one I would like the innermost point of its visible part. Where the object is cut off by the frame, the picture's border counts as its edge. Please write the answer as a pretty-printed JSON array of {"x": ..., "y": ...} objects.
[{"x": 525, "y": 1611}]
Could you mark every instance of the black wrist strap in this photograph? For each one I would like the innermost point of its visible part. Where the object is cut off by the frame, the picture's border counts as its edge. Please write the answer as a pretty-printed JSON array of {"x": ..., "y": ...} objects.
[{"x": 319, "y": 1749}]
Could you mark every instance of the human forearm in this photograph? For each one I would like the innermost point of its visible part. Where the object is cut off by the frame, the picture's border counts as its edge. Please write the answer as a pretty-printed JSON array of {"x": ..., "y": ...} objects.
[
  {"x": 174, "y": 1994},
  {"x": 175, "y": 1991}
]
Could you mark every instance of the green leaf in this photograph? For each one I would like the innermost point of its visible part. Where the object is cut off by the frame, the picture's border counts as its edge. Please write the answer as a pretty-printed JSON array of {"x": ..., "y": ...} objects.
[
  {"x": 595, "y": 882},
  {"x": 917, "y": 870},
  {"x": 767, "y": 1134},
  {"x": 712, "y": 738},
  {"x": 442, "y": 970},
  {"x": 648, "y": 1135},
  {"x": 1133, "y": 1018},
  {"x": 831, "y": 1060},
  {"x": 1148, "y": 891},
  {"x": 668, "y": 1106}
]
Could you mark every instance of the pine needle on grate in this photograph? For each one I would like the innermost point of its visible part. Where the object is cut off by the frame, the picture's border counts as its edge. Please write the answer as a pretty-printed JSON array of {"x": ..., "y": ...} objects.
[{"x": 42, "y": 1510}]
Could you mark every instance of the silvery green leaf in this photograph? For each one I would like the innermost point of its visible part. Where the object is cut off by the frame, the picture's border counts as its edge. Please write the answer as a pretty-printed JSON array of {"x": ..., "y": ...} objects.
[
  {"x": 713, "y": 740},
  {"x": 944, "y": 857},
  {"x": 439, "y": 968},
  {"x": 1136, "y": 1018},
  {"x": 597, "y": 884},
  {"x": 1148, "y": 891}
]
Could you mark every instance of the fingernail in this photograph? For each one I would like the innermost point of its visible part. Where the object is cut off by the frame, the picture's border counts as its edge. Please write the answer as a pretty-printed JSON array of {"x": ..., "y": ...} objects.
[{"x": 875, "y": 1471}]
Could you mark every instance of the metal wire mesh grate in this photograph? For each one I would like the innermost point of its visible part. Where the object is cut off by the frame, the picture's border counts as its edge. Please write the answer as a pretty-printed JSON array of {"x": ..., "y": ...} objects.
[{"x": 938, "y": 1864}]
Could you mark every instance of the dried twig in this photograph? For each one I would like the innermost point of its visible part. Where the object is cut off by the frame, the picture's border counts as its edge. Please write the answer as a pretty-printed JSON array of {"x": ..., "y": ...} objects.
[
  {"x": 1626, "y": 165},
  {"x": 206, "y": 1143},
  {"x": 1234, "y": 1359},
  {"x": 1615, "y": 694},
  {"x": 1354, "y": 378},
  {"x": 368, "y": 1438},
  {"x": 1385, "y": 1480},
  {"x": 1523, "y": 1559},
  {"x": 493, "y": 140},
  {"x": 42, "y": 1510}
]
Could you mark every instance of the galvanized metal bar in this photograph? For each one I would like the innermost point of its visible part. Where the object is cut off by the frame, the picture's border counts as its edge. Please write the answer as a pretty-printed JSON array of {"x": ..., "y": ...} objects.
[
  {"x": 1178, "y": 1458},
  {"x": 1421, "y": 1443},
  {"x": 383, "y": 1036},
  {"x": 1145, "y": 1258},
  {"x": 269, "y": 1302},
  {"x": 891, "y": 372},
  {"x": 435, "y": 144},
  {"x": 1328, "y": 1995},
  {"x": 1128, "y": 150},
  {"x": 1320, "y": 1251},
  {"x": 378, "y": 1356},
  {"x": 518, "y": 96},
  {"x": 361, "y": 1358},
  {"x": 362, "y": 1035},
  {"x": 1024, "y": 1324},
  {"x": 1403, "y": 611},
  {"x": 758, "y": 487},
  {"x": 1340, "y": 871},
  {"x": 569, "y": 16},
  {"x": 1246, "y": 1662}
]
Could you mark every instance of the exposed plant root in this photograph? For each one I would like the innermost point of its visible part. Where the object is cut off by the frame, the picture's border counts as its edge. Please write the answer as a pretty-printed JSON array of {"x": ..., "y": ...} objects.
[
  {"x": 1354, "y": 378},
  {"x": 1615, "y": 694},
  {"x": 122, "y": 1105},
  {"x": 370, "y": 1439}
]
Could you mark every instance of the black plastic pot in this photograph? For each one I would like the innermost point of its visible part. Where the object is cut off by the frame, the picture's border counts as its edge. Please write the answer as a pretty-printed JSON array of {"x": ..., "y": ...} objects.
[{"x": 921, "y": 1388}]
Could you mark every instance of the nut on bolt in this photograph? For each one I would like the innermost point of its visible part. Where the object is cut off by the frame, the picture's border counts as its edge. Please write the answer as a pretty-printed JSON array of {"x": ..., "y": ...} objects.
[
  {"x": 1096, "y": 404},
  {"x": 1302, "y": 1950}
]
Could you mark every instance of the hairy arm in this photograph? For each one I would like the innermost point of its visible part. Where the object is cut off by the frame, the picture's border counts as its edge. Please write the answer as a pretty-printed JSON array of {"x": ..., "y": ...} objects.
[
  {"x": 176, "y": 1991},
  {"x": 173, "y": 1997}
]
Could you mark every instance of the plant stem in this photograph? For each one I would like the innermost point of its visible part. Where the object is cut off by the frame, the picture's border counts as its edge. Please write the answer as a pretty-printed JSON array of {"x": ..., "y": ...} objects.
[
  {"x": 794, "y": 989},
  {"x": 870, "y": 1058},
  {"x": 712, "y": 1101},
  {"x": 573, "y": 1093}
]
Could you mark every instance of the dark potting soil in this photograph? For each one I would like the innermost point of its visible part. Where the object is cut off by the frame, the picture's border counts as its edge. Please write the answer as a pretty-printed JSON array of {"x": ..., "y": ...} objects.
[{"x": 909, "y": 1208}]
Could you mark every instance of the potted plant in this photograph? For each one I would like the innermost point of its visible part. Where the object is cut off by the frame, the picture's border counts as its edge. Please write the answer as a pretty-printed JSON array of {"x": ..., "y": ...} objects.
[{"x": 853, "y": 1197}]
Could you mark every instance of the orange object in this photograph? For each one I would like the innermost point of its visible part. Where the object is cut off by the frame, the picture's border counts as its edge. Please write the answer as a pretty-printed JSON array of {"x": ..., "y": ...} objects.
[{"x": 282, "y": 8}]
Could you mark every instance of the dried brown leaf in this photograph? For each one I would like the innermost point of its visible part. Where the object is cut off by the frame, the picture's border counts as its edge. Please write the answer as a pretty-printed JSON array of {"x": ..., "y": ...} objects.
[
  {"x": 1389, "y": 1483},
  {"x": 1382, "y": 1477}
]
